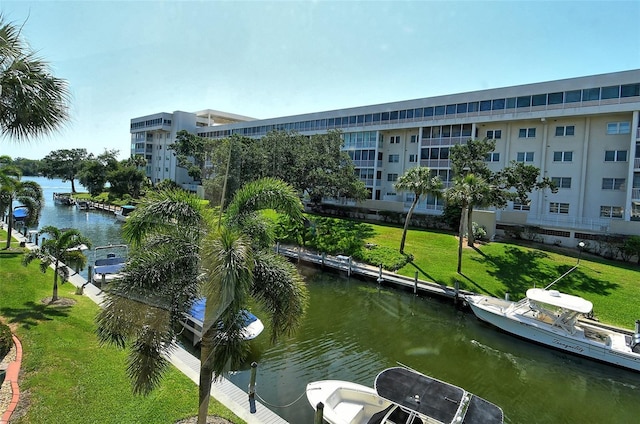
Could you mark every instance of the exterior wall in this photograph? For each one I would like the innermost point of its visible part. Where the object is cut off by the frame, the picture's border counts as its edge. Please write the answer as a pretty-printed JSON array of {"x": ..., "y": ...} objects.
[{"x": 541, "y": 124}]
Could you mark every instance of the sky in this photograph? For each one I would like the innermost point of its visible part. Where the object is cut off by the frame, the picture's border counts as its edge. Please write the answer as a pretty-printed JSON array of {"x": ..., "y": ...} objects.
[{"x": 264, "y": 59}]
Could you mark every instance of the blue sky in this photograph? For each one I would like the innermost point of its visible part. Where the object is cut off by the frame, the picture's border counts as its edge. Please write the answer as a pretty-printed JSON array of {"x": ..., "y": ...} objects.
[{"x": 125, "y": 59}]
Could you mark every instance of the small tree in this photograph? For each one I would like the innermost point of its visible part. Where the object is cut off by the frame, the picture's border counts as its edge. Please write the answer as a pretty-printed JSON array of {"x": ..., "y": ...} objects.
[
  {"x": 59, "y": 247},
  {"x": 419, "y": 181},
  {"x": 65, "y": 164},
  {"x": 466, "y": 191},
  {"x": 28, "y": 193}
]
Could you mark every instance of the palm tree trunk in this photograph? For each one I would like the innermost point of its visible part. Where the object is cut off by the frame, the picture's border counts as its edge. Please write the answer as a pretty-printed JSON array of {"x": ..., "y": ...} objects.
[
  {"x": 9, "y": 225},
  {"x": 206, "y": 377},
  {"x": 470, "y": 235},
  {"x": 206, "y": 360},
  {"x": 54, "y": 297},
  {"x": 460, "y": 234},
  {"x": 406, "y": 223}
]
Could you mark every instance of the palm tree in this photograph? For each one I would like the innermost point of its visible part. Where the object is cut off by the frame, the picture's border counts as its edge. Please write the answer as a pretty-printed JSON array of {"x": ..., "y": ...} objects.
[
  {"x": 60, "y": 247},
  {"x": 183, "y": 251},
  {"x": 419, "y": 181},
  {"x": 28, "y": 193},
  {"x": 467, "y": 191},
  {"x": 32, "y": 101}
]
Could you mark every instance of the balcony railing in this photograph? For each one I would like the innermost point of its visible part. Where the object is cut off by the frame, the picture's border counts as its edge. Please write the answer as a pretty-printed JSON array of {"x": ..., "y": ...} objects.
[
  {"x": 636, "y": 163},
  {"x": 635, "y": 193}
]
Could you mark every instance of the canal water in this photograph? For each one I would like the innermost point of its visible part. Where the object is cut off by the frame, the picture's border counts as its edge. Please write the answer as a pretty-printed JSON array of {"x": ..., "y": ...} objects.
[
  {"x": 354, "y": 329},
  {"x": 100, "y": 227}
]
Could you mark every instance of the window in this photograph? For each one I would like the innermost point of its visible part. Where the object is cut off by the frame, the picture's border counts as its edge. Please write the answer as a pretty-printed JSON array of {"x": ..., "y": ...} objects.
[
  {"x": 572, "y": 96},
  {"x": 562, "y": 156},
  {"x": 492, "y": 157},
  {"x": 394, "y": 139},
  {"x": 562, "y": 208},
  {"x": 611, "y": 211},
  {"x": 413, "y": 158},
  {"x": 566, "y": 130},
  {"x": 392, "y": 177},
  {"x": 612, "y": 92},
  {"x": 590, "y": 94},
  {"x": 394, "y": 158},
  {"x": 556, "y": 98},
  {"x": 414, "y": 138},
  {"x": 524, "y": 157},
  {"x": 615, "y": 156},
  {"x": 561, "y": 182},
  {"x": 618, "y": 128},
  {"x": 527, "y": 133},
  {"x": 519, "y": 206},
  {"x": 613, "y": 183},
  {"x": 494, "y": 134}
]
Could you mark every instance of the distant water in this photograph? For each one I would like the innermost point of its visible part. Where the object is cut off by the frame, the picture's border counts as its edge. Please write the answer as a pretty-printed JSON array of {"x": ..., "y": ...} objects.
[{"x": 100, "y": 227}]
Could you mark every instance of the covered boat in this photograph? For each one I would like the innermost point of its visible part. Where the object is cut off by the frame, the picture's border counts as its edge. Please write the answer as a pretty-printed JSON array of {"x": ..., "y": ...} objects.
[
  {"x": 400, "y": 395},
  {"x": 193, "y": 323},
  {"x": 20, "y": 214}
]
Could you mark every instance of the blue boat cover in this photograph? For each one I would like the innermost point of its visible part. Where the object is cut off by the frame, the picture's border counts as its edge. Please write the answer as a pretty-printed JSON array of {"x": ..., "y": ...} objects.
[
  {"x": 20, "y": 213},
  {"x": 197, "y": 312}
]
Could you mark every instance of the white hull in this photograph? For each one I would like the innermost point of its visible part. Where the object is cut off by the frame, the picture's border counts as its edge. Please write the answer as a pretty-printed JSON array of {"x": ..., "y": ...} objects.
[
  {"x": 345, "y": 402},
  {"x": 583, "y": 339}
]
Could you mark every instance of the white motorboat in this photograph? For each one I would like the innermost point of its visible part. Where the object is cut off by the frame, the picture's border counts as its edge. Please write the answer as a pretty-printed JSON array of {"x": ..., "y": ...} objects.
[
  {"x": 123, "y": 213},
  {"x": 109, "y": 262},
  {"x": 551, "y": 318},
  {"x": 193, "y": 323},
  {"x": 400, "y": 395}
]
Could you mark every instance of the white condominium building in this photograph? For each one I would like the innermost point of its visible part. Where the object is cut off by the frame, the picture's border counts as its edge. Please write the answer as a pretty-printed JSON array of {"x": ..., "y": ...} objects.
[{"x": 583, "y": 133}]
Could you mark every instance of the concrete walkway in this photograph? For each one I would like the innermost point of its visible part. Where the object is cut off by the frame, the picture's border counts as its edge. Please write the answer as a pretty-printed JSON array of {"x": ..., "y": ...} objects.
[{"x": 231, "y": 396}]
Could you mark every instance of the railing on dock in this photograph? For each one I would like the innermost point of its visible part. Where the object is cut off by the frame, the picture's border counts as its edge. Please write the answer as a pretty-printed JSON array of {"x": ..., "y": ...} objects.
[{"x": 346, "y": 264}]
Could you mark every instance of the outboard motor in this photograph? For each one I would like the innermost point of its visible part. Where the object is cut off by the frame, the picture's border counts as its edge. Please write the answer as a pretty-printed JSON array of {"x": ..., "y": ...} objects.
[{"x": 635, "y": 342}]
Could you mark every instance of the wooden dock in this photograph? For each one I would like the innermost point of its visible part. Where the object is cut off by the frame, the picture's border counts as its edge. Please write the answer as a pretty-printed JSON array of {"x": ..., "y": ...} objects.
[{"x": 351, "y": 268}]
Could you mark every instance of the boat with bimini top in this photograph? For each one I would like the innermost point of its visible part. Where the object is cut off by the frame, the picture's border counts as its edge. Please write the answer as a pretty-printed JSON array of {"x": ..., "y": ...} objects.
[
  {"x": 400, "y": 395},
  {"x": 63, "y": 199},
  {"x": 109, "y": 262},
  {"x": 123, "y": 213},
  {"x": 554, "y": 319}
]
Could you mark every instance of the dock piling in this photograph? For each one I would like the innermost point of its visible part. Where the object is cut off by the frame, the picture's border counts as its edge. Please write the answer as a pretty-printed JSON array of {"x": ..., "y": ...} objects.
[
  {"x": 415, "y": 283},
  {"x": 252, "y": 387},
  {"x": 319, "y": 413}
]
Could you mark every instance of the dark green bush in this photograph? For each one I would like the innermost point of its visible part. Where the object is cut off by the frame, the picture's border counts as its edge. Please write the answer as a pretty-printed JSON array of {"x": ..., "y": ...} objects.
[
  {"x": 391, "y": 259},
  {"x": 6, "y": 341}
]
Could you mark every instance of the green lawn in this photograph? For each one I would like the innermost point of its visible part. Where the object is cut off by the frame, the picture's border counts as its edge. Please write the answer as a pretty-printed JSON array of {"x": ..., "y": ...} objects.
[
  {"x": 499, "y": 267},
  {"x": 66, "y": 375}
]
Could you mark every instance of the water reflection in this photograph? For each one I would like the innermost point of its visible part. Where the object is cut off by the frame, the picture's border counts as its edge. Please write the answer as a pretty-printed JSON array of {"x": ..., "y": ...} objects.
[{"x": 354, "y": 329}]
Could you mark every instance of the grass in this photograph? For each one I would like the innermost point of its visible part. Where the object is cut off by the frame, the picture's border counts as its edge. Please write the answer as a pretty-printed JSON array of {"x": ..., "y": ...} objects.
[
  {"x": 498, "y": 267},
  {"x": 494, "y": 268},
  {"x": 66, "y": 375}
]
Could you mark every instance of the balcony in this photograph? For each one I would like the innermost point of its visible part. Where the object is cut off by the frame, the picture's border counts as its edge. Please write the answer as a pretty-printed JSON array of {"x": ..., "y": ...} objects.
[
  {"x": 636, "y": 163},
  {"x": 436, "y": 163},
  {"x": 635, "y": 193}
]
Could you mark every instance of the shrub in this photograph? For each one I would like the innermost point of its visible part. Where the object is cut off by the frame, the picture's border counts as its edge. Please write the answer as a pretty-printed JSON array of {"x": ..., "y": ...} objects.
[
  {"x": 391, "y": 259},
  {"x": 479, "y": 231},
  {"x": 6, "y": 341}
]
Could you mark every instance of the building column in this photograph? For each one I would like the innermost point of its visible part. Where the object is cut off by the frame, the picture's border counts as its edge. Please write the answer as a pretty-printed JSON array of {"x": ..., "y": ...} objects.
[
  {"x": 631, "y": 160},
  {"x": 583, "y": 171},
  {"x": 543, "y": 166}
]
